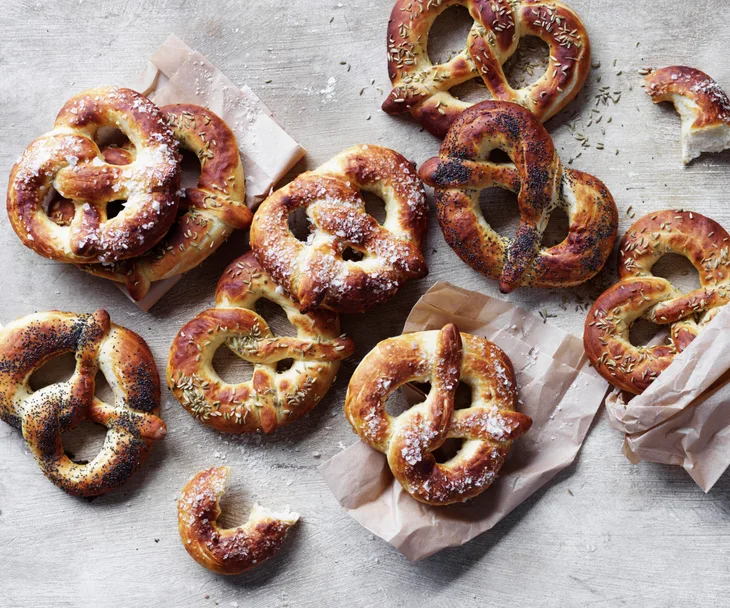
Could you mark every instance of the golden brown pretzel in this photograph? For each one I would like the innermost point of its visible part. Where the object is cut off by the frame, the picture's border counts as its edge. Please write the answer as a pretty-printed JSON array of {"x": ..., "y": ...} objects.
[
  {"x": 209, "y": 213},
  {"x": 423, "y": 88},
  {"x": 488, "y": 427},
  {"x": 702, "y": 105},
  {"x": 315, "y": 272},
  {"x": 542, "y": 184},
  {"x": 68, "y": 160},
  {"x": 132, "y": 420},
  {"x": 271, "y": 398},
  {"x": 640, "y": 294},
  {"x": 231, "y": 551}
]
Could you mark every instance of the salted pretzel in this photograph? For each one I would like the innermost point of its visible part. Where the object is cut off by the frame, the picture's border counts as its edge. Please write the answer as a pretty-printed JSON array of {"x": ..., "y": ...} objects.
[
  {"x": 423, "y": 88},
  {"x": 702, "y": 105},
  {"x": 233, "y": 550},
  {"x": 132, "y": 421},
  {"x": 542, "y": 184},
  {"x": 209, "y": 212},
  {"x": 316, "y": 272},
  {"x": 271, "y": 398},
  {"x": 640, "y": 294},
  {"x": 488, "y": 426},
  {"x": 68, "y": 160}
]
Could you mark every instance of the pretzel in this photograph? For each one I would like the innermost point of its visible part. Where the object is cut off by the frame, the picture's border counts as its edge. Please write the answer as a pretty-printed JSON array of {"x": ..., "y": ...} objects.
[
  {"x": 640, "y": 294},
  {"x": 542, "y": 184},
  {"x": 231, "y": 551},
  {"x": 132, "y": 421},
  {"x": 315, "y": 272},
  {"x": 210, "y": 211},
  {"x": 702, "y": 105},
  {"x": 271, "y": 398},
  {"x": 423, "y": 88},
  {"x": 488, "y": 426},
  {"x": 68, "y": 160}
]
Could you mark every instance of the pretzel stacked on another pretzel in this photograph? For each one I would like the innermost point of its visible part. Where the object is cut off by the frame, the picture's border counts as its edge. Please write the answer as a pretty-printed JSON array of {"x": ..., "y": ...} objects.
[
  {"x": 488, "y": 426},
  {"x": 132, "y": 421},
  {"x": 542, "y": 184},
  {"x": 423, "y": 88},
  {"x": 640, "y": 294}
]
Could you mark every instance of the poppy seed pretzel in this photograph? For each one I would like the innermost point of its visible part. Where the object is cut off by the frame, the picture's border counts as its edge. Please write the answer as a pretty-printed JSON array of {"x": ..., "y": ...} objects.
[
  {"x": 640, "y": 294},
  {"x": 542, "y": 184},
  {"x": 132, "y": 421},
  {"x": 68, "y": 160},
  {"x": 210, "y": 211},
  {"x": 423, "y": 88},
  {"x": 315, "y": 272},
  {"x": 488, "y": 426},
  {"x": 271, "y": 398},
  {"x": 702, "y": 105},
  {"x": 234, "y": 550}
]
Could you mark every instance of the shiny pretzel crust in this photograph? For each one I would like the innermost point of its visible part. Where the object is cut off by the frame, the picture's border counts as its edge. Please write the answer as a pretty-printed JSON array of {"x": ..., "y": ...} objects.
[
  {"x": 233, "y": 550},
  {"x": 488, "y": 426},
  {"x": 132, "y": 421},
  {"x": 423, "y": 89}
]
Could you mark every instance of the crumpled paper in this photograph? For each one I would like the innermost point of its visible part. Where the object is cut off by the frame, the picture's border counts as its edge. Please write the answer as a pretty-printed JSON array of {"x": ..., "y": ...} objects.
[
  {"x": 557, "y": 388},
  {"x": 683, "y": 418},
  {"x": 177, "y": 74}
]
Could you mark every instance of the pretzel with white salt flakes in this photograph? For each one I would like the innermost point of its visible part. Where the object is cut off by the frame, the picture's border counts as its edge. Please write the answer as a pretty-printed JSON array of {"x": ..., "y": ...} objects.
[
  {"x": 702, "y": 105},
  {"x": 488, "y": 426},
  {"x": 69, "y": 161},
  {"x": 210, "y": 211},
  {"x": 423, "y": 88},
  {"x": 234, "y": 550},
  {"x": 316, "y": 272},
  {"x": 132, "y": 421},
  {"x": 640, "y": 294},
  {"x": 272, "y": 398}
]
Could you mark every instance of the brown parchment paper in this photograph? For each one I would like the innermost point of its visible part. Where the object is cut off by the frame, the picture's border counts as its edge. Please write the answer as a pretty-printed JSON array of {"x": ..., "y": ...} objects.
[
  {"x": 557, "y": 388},
  {"x": 683, "y": 418},
  {"x": 177, "y": 74}
]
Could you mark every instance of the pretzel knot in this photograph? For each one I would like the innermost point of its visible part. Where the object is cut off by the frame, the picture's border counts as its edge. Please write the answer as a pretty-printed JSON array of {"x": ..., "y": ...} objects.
[
  {"x": 542, "y": 184},
  {"x": 68, "y": 161},
  {"x": 99, "y": 345},
  {"x": 271, "y": 398},
  {"x": 209, "y": 212},
  {"x": 640, "y": 294},
  {"x": 316, "y": 272},
  {"x": 487, "y": 427},
  {"x": 423, "y": 88}
]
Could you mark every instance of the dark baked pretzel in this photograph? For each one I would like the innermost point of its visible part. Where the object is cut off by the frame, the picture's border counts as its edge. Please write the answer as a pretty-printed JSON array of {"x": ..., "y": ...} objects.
[
  {"x": 68, "y": 161},
  {"x": 423, "y": 88},
  {"x": 99, "y": 345},
  {"x": 315, "y": 272},
  {"x": 231, "y": 551},
  {"x": 542, "y": 184},
  {"x": 640, "y": 294},
  {"x": 271, "y": 398},
  {"x": 488, "y": 426},
  {"x": 210, "y": 212},
  {"x": 702, "y": 104}
]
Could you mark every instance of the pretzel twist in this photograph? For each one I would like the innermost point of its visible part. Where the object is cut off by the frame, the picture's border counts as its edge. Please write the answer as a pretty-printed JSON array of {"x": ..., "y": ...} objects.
[
  {"x": 315, "y": 272},
  {"x": 542, "y": 184},
  {"x": 702, "y": 105},
  {"x": 68, "y": 161},
  {"x": 423, "y": 88},
  {"x": 234, "y": 550},
  {"x": 99, "y": 345},
  {"x": 210, "y": 211},
  {"x": 640, "y": 294},
  {"x": 488, "y": 426},
  {"x": 271, "y": 398}
]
